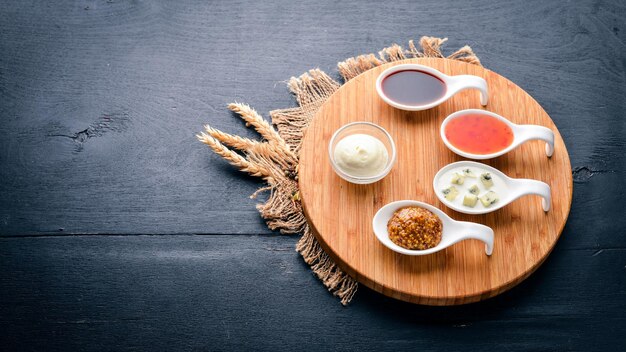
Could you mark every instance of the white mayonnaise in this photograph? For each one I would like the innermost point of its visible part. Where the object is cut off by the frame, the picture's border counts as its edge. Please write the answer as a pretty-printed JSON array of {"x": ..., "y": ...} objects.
[{"x": 361, "y": 155}]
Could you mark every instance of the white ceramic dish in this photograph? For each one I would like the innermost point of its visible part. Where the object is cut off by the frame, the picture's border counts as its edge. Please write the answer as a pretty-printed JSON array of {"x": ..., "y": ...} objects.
[
  {"x": 508, "y": 189},
  {"x": 454, "y": 84},
  {"x": 452, "y": 231},
  {"x": 521, "y": 134},
  {"x": 370, "y": 129}
]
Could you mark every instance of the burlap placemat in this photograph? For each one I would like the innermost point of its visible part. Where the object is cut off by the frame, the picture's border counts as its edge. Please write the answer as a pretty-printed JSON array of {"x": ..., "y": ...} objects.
[{"x": 275, "y": 158}]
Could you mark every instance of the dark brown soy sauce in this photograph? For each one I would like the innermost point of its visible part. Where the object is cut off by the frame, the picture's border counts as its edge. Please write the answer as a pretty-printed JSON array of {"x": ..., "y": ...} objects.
[{"x": 413, "y": 87}]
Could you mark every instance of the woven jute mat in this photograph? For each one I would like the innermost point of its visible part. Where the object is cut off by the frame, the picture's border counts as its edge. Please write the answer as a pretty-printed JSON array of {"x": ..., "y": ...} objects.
[{"x": 275, "y": 157}]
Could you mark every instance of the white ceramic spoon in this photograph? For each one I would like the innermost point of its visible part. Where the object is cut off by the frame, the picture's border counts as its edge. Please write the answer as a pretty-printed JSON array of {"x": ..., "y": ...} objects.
[
  {"x": 452, "y": 231},
  {"x": 454, "y": 84},
  {"x": 508, "y": 189},
  {"x": 521, "y": 134}
]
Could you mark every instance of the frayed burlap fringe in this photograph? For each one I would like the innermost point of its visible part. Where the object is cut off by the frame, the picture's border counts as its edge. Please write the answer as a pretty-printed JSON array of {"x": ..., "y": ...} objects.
[
  {"x": 431, "y": 47},
  {"x": 275, "y": 159}
]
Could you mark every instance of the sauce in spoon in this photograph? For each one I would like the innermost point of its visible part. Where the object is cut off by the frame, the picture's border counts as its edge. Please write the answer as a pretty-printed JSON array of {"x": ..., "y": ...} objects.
[
  {"x": 479, "y": 134},
  {"x": 413, "y": 87}
]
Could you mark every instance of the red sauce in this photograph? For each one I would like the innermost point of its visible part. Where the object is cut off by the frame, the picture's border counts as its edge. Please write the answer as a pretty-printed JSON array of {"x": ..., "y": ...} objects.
[{"x": 478, "y": 134}]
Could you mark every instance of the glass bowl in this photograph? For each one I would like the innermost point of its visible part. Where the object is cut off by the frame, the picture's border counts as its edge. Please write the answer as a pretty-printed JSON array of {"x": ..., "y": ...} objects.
[{"x": 370, "y": 129}]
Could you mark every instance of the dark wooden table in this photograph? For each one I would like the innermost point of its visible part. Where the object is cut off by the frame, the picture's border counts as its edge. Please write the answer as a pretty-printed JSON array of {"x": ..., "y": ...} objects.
[{"x": 119, "y": 231}]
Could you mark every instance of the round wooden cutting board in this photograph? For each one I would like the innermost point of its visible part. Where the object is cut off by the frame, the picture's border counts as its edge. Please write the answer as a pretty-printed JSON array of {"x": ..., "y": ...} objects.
[{"x": 340, "y": 213}]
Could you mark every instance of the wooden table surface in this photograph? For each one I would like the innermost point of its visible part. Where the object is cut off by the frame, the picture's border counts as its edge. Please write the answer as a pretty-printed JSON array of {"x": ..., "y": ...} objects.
[{"x": 119, "y": 231}]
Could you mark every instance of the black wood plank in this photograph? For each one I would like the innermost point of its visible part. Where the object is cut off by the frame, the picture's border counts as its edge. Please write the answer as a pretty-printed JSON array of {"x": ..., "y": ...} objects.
[
  {"x": 243, "y": 293},
  {"x": 100, "y": 100}
]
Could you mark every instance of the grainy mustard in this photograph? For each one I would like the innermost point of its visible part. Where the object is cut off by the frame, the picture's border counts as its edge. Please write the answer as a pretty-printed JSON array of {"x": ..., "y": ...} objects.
[{"x": 414, "y": 228}]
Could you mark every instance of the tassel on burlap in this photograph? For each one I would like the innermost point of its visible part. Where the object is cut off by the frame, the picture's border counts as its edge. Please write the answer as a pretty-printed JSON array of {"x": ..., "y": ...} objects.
[
  {"x": 275, "y": 159},
  {"x": 431, "y": 47}
]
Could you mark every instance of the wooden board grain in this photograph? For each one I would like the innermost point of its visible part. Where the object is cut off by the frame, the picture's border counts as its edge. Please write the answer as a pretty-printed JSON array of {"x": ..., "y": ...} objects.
[{"x": 341, "y": 213}]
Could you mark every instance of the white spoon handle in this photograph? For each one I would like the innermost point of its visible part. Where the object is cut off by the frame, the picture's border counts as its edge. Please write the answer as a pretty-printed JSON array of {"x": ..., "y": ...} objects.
[
  {"x": 463, "y": 82},
  {"x": 472, "y": 230},
  {"x": 527, "y": 186},
  {"x": 530, "y": 132}
]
